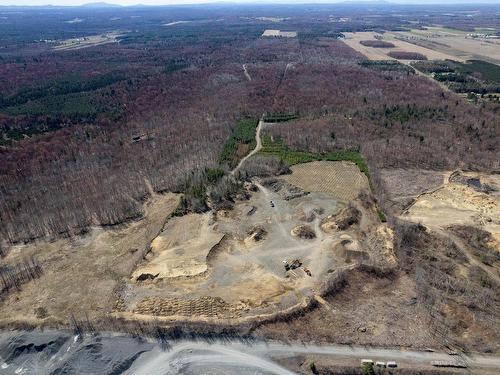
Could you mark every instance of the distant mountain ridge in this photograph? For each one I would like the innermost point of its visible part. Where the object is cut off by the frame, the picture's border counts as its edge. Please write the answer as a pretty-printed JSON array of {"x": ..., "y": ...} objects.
[{"x": 101, "y": 4}]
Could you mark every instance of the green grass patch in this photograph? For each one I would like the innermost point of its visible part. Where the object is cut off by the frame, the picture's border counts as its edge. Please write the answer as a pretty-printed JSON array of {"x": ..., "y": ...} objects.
[
  {"x": 278, "y": 148},
  {"x": 381, "y": 216},
  {"x": 279, "y": 117},
  {"x": 243, "y": 134}
]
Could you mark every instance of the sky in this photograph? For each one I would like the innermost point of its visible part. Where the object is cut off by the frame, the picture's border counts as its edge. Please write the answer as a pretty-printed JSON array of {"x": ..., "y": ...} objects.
[{"x": 164, "y": 2}]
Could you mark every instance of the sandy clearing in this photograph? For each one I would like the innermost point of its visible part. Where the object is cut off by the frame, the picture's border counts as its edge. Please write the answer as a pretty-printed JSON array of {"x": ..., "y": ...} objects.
[
  {"x": 89, "y": 41},
  {"x": 248, "y": 275},
  {"x": 244, "y": 277},
  {"x": 181, "y": 249},
  {"x": 458, "y": 204}
]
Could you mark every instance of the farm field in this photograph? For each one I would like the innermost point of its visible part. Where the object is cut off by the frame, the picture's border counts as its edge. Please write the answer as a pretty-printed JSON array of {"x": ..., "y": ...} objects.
[
  {"x": 456, "y": 43},
  {"x": 353, "y": 40}
]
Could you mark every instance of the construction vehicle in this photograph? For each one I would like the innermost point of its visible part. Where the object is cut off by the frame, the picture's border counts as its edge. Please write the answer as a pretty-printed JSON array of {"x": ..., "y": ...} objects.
[{"x": 296, "y": 263}]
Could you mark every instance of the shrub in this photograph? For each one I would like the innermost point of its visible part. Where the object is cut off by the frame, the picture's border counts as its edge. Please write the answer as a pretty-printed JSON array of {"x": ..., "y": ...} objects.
[
  {"x": 405, "y": 55},
  {"x": 377, "y": 44}
]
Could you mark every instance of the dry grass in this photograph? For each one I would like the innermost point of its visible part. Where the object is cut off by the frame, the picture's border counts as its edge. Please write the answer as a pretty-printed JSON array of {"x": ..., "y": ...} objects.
[
  {"x": 81, "y": 273},
  {"x": 343, "y": 180}
]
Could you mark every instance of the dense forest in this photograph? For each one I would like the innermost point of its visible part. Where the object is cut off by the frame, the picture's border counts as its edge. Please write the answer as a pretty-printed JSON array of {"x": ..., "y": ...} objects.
[{"x": 86, "y": 135}]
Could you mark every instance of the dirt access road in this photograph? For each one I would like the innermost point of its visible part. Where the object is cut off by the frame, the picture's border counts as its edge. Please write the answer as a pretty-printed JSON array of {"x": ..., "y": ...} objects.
[
  {"x": 245, "y": 71},
  {"x": 189, "y": 357},
  {"x": 258, "y": 146},
  {"x": 105, "y": 353}
]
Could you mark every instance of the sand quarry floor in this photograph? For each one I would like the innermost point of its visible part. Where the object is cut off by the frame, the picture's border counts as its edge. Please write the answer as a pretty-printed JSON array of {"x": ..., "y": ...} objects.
[
  {"x": 211, "y": 266},
  {"x": 231, "y": 264},
  {"x": 457, "y": 203}
]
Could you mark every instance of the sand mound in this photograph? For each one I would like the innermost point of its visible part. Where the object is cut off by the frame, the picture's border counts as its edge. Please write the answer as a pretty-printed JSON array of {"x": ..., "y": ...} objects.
[
  {"x": 256, "y": 234},
  {"x": 343, "y": 220},
  {"x": 303, "y": 231}
]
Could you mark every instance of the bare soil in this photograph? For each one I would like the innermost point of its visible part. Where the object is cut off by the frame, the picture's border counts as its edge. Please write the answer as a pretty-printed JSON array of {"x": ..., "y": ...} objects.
[{"x": 268, "y": 254}]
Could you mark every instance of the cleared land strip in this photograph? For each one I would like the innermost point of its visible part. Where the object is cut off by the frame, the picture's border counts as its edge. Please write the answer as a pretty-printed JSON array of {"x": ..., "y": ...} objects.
[
  {"x": 245, "y": 71},
  {"x": 258, "y": 146}
]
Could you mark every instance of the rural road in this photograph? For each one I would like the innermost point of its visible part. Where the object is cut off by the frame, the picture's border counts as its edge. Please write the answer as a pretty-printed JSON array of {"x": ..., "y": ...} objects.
[
  {"x": 229, "y": 358},
  {"x": 258, "y": 146},
  {"x": 51, "y": 351},
  {"x": 245, "y": 71}
]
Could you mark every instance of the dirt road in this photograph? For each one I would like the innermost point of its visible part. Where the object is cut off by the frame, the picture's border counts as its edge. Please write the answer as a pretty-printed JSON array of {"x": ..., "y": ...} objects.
[
  {"x": 106, "y": 353},
  {"x": 258, "y": 146},
  {"x": 245, "y": 71},
  {"x": 228, "y": 358}
]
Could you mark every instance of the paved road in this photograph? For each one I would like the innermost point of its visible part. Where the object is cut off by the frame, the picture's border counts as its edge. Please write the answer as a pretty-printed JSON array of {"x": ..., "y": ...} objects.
[{"x": 258, "y": 146}]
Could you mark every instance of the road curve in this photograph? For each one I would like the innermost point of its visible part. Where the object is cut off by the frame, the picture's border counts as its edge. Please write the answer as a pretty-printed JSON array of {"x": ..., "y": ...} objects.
[
  {"x": 52, "y": 351},
  {"x": 189, "y": 357},
  {"x": 258, "y": 147}
]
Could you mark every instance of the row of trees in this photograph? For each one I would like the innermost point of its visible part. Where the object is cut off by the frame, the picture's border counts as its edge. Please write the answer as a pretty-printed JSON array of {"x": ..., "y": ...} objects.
[{"x": 13, "y": 276}]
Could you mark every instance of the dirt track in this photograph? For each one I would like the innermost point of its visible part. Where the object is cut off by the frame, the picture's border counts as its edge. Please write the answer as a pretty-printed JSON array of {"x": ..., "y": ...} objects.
[
  {"x": 195, "y": 357},
  {"x": 245, "y": 72},
  {"x": 258, "y": 147},
  {"x": 105, "y": 353}
]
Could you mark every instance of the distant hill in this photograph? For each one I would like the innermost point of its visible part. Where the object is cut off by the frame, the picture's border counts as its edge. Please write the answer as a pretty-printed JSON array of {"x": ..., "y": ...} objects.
[{"x": 101, "y": 5}]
